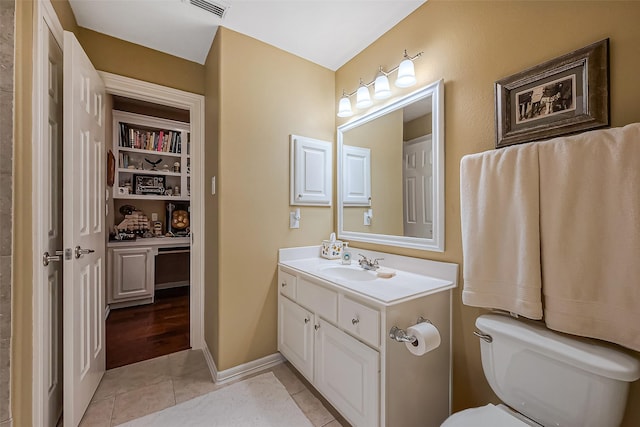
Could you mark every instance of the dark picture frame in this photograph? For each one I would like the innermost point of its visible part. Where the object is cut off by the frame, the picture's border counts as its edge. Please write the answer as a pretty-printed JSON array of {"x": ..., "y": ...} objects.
[
  {"x": 565, "y": 95},
  {"x": 149, "y": 184}
]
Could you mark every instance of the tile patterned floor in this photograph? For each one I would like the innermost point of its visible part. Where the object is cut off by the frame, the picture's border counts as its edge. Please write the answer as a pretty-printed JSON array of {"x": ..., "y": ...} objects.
[{"x": 139, "y": 389}]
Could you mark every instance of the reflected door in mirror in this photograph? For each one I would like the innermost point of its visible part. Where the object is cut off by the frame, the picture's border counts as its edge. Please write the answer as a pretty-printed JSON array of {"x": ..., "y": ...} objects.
[{"x": 417, "y": 175}]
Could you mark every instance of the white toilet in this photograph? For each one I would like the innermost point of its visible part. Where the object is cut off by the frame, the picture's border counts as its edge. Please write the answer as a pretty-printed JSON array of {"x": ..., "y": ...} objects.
[{"x": 548, "y": 379}]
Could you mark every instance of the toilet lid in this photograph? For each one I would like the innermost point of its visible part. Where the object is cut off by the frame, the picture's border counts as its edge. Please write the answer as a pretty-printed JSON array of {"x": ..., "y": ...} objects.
[{"x": 484, "y": 416}]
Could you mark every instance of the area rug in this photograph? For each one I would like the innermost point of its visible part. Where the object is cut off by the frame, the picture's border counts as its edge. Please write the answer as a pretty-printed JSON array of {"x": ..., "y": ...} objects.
[{"x": 260, "y": 401}]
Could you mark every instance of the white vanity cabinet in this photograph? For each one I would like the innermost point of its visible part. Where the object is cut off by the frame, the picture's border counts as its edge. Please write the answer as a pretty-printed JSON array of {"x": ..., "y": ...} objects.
[
  {"x": 343, "y": 369},
  {"x": 295, "y": 335},
  {"x": 133, "y": 274},
  {"x": 347, "y": 374},
  {"x": 336, "y": 335}
]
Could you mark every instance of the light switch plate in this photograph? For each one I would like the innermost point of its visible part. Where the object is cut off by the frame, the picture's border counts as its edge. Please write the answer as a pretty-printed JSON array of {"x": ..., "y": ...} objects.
[{"x": 294, "y": 222}]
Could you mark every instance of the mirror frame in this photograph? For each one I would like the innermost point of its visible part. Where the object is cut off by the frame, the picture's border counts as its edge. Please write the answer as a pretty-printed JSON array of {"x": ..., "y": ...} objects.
[{"x": 436, "y": 242}]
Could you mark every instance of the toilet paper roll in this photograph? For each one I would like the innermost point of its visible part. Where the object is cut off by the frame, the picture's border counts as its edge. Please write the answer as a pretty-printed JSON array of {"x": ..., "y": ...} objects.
[{"x": 428, "y": 338}]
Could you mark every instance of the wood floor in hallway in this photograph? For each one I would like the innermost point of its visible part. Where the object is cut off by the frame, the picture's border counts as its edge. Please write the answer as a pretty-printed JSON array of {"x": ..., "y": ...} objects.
[{"x": 148, "y": 331}]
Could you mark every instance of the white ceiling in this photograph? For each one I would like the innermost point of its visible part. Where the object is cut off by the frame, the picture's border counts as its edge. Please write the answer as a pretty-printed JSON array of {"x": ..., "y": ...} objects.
[{"x": 327, "y": 32}]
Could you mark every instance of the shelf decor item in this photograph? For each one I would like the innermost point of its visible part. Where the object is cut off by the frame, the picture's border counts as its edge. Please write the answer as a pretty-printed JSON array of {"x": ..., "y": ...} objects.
[
  {"x": 149, "y": 184},
  {"x": 568, "y": 94}
]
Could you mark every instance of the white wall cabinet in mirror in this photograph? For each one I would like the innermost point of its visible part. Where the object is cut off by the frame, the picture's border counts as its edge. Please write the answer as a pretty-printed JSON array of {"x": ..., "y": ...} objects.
[
  {"x": 405, "y": 142},
  {"x": 356, "y": 185},
  {"x": 311, "y": 172}
]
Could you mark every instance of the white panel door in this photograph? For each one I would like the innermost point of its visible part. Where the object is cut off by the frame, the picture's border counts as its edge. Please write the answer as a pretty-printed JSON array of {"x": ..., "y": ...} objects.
[
  {"x": 84, "y": 213},
  {"x": 356, "y": 183},
  {"x": 295, "y": 336},
  {"x": 311, "y": 171},
  {"x": 417, "y": 178},
  {"x": 347, "y": 373},
  {"x": 52, "y": 216}
]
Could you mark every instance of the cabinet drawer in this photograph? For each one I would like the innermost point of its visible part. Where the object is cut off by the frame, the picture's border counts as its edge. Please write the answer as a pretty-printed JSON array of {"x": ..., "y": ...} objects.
[
  {"x": 360, "y": 320},
  {"x": 287, "y": 284},
  {"x": 318, "y": 299}
]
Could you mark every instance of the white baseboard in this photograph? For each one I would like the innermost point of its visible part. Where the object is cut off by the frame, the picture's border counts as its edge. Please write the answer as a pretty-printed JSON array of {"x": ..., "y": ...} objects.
[{"x": 240, "y": 371}]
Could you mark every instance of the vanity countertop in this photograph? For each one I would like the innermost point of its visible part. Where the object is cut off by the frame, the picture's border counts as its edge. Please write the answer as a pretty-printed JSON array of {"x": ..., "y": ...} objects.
[{"x": 414, "y": 277}]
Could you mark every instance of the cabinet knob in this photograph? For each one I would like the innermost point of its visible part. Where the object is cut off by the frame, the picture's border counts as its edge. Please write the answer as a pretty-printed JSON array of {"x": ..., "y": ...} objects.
[
  {"x": 283, "y": 284},
  {"x": 306, "y": 320},
  {"x": 355, "y": 321},
  {"x": 316, "y": 327}
]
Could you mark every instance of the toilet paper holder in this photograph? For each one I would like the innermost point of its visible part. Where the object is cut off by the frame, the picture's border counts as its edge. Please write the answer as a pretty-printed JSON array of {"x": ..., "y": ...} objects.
[{"x": 400, "y": 335}]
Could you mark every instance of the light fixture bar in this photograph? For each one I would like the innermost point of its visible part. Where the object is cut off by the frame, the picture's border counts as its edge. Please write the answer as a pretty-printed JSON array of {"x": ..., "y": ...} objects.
[{"x": 381, "y": 88}]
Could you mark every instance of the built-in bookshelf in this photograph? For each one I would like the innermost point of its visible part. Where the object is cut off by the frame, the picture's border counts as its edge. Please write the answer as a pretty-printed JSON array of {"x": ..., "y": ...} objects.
[{"x": 152, "y": 158}]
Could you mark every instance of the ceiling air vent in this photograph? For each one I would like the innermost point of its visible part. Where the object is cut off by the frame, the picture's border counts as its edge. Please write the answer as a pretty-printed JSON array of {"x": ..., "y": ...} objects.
[{"x": 217, "y": 8}]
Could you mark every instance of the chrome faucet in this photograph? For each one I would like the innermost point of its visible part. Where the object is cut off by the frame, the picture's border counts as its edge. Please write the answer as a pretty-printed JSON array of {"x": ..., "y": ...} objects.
[{"x": 369, "y": 264}]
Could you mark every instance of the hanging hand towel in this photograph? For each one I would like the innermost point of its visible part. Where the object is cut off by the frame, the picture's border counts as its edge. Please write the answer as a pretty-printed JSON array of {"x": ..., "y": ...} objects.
[
  {"x": 500, "y": 230},
  {"x": 590, "y": 231}
]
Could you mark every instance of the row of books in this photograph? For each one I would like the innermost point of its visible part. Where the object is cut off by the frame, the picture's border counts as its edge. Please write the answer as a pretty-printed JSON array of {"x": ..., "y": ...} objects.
[{"x": 161, "y": 140}]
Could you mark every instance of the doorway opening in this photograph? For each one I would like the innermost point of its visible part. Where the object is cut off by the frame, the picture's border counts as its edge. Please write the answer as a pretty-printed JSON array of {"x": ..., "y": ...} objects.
[{"x": 148, "y": 251}]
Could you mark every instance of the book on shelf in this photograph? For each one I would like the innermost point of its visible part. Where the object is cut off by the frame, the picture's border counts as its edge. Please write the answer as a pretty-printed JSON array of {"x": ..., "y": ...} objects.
[{"x": 166, "y": 141}]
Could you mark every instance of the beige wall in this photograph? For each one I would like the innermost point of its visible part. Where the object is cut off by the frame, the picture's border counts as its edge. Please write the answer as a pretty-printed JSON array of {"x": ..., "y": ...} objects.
[
  {"x": 471, "y": 45},
  {"x": 211, "y": 216},
  {"x": 124, "y": 58},
  {"x": 265, "y": 95},
  {"x": 383, "y": 136},
  {"x": 21, "y": 350},
  {"x": 417, "y": 127}
]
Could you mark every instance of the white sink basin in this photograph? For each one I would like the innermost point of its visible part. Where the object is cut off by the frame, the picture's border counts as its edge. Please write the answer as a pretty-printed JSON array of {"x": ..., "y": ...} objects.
[{"x": 349, "y": 273}]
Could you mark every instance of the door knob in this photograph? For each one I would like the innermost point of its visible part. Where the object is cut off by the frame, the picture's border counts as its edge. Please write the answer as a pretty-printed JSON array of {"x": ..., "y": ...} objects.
[
  {"x": 46, "y": 258},
  {"x": 79, "y": 251}
]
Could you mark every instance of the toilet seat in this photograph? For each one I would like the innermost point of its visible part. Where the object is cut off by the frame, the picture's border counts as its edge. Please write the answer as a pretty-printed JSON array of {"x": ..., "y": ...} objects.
[{"x": 485, "y": 416}]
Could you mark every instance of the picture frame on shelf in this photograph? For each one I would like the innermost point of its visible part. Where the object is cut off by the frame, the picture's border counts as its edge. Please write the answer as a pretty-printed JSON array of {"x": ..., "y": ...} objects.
[
  {"x": 149, "y": 184},
  {"x": 565, "y": 95}
]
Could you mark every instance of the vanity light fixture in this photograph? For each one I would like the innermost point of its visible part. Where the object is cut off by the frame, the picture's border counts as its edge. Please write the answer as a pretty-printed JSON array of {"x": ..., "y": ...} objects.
[
  {"x": 344, "y": 107},
  {"x": 381, "y": 90},
  {"x": 363, "y": 98},
  {"x": 406, "y": 72}
]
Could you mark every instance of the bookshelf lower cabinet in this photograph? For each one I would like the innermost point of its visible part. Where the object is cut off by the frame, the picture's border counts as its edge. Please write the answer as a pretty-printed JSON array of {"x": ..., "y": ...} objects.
[{"x": 132, "y": 275}]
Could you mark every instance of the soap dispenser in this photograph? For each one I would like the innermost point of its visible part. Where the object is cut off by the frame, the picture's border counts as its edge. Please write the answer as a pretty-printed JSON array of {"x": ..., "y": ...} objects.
[{"x": 346, "y": 254}]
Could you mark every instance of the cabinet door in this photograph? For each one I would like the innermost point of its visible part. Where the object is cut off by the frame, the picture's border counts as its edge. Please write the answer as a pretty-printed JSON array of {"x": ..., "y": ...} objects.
[
  {"x": 295, "y": 336},
  {"x": 133, "y": 273},
  {"x": 311, "y": 171},
  {"x": 356, "y": 182},
  {"x": 347, "y": 373}
]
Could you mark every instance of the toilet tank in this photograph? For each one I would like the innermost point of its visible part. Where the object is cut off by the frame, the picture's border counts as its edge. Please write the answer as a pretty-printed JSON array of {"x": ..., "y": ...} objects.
[{"x": 552, "y": 378}]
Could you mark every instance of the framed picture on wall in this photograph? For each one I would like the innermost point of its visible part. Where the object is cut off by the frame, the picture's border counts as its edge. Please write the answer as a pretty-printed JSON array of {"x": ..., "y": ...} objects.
[{"x": 566, "y": 95}]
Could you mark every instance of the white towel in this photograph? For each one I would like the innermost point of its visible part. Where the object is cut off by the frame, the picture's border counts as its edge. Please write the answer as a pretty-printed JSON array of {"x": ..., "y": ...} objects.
[
  {"x": 499, "y": 206},
  {"x": 590, "y": 231}
]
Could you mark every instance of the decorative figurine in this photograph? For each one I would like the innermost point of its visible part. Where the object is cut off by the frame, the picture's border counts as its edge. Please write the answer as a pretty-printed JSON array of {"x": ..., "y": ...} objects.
[{"x": 153, "y": 164}]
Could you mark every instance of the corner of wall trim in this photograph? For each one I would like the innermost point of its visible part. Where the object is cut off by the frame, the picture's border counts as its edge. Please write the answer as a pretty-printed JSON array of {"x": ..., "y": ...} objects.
[{"x": 240, "y": 371}]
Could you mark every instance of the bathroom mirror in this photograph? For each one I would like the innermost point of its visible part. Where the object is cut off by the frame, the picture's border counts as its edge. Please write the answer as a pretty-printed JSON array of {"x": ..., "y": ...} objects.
[{"x": 391, "y": 173}]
